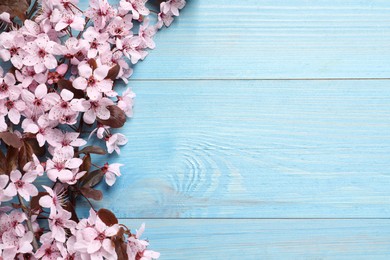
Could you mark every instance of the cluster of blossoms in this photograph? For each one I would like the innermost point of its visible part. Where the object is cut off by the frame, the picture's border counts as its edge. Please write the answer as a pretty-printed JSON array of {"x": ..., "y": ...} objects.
[{"x": 57, "y": 99}]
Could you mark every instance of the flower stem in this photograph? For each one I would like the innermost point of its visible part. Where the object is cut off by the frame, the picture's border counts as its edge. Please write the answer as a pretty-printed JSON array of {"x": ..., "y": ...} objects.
[{"x": 29, "y": 224}]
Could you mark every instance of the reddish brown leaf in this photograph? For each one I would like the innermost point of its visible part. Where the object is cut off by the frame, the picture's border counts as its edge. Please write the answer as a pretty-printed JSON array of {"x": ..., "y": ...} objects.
[
  {"x": 113, "y": 72},
  {"x": 38, "y": 151},
  {"x": 25, "y": 154},
  {"x": 117, "y": 117},
  {"x": 120, "y": 246},
  {"x": 11, "y": 139},
  {"x": 69, "y": 207},
  {"x": 3, "y": 163},
  {"x": 86, "y": 165},
  {"x": 15, "y": 8},
  {"x": 107, "y": 217},
  {"x": 92, "y": 149},
  {"x": 34, "y": 204},
  {"x": 67, "y": 84},
  {"x": 11, "y": 159},
  {"x": 93, "y": 178},
  {"x": 91, "y": 193},
  {"x": 92, "y": 63}
]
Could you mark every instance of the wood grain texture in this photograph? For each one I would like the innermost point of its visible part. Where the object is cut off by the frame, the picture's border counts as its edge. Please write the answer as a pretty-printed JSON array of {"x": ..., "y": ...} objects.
[
  {"x": 267, "y": 239},
  {"x": 264, "y": 149},
  {"x": 274, "y": 39},
  {"x": 204, "y": 149}
]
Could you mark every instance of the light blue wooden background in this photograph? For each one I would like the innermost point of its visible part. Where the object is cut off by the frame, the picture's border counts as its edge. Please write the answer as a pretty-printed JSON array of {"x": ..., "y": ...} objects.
[{"x": 262, "y": 131}]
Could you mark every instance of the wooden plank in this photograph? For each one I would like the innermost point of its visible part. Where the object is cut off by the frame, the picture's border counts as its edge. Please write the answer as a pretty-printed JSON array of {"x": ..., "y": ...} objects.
[
  {"x": 267, "y": 239},
  {"x": 273, "y": 39},
  {"x": 270, "y": 149}
]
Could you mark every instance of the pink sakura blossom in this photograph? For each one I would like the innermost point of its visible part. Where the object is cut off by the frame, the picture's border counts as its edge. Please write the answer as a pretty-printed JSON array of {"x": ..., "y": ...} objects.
[
  {"x": 126, "y": 101},
  {"x": 13, "y": 244},
  {"x": 68, "y": 5},
  {"x": 50, "y": 12},
  {"x": 114, "y": 141},
  {"x": 13, "y": 108},
  {"x": 31, "y": 30},
  {"x": 64, "y": 143},
  {"x": 132, "y": 48},
  {"x": 137, "y": 7},
  {"x": 34, "y": 166},
  {"x": 29, "y": 78},
  {"x": 98, "y": 42},
  {"x": 3, "y": 183},
  {"x": 40, "y": 54},
  {"x": 164, "y": 19},
  {"x": 172, "y": 6},
  {"x": 146, "y": 33},
  {"x": 40, "y": 101},
  {"x": 76, "y": 176},
  {"x": 120, "y": 27},
  {"x": 12, "y": 48},
  {"x": 48, "y": 251},
  {"x": 3, "y": 124},
  {"x": 54, "y": 200},
  {"x": 58, "y": 222},
  {"x": 8, "y": 87},
  {"x": 14, "y": 221},
  {"x": 111, "y": 171},
  {"x": 95, "y": 240},
  {"x": 73, "y": 49},
  {"x": 93, "y": 81},
  {"x": 61, "y": 168},
  {"x": 95, "y": 109},
  {"x": 70, "y": 253},
  {"x": 63, "y": 105},
  {"x": 5, "y": 17},
  {"x": 117, "y": 57},
  {"x": 100, "y": 131},
  {"x": 73, "y": 21},
  {"x": 43, "y": 128},
  {"x": 100, "y": 12},
  {"x": 136, "y": 248},
  {"x": 58, "y": 74},
  {"x": 21, "y": 185}
]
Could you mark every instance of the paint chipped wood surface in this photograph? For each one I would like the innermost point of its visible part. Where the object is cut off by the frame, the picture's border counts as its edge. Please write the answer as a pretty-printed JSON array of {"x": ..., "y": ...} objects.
[{"x": 224, "y": 163}]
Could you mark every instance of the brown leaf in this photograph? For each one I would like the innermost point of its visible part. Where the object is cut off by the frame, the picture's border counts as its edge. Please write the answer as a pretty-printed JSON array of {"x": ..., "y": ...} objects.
[
  {"x": 15, "y": 8},
  {"x": 3, "y": 162},
  {"x": 25, "y": 154},
  {"x": 107, "y": 217},
  {"x": 117, "y": 117},
  {"x": 11, "y": 139},
  {"x": 120, "y": 246},
  {"x": 67, "y": 84},
  {"x": 93, "y": 178},
  {"x": 92, "y": 63},
  {"x": 92, "y": 149},
  {"x": 34, "y": 204},
  {"x": 11, "y": 159},
  {"x": 86, "y": 165},
  {"x": 38, "y": 151},
  {"x": 91, "y": 193},
  {"x": 69, "y": 207},
  {"x": 113, "y": 72}
]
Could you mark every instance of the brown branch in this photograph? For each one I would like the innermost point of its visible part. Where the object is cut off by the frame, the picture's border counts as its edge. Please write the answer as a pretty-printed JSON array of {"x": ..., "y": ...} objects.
[{"x": 29, "y": 224}]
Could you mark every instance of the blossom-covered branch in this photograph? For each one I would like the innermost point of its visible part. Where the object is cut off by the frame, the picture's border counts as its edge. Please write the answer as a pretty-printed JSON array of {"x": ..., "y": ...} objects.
[{"x": 58, "y": 97}]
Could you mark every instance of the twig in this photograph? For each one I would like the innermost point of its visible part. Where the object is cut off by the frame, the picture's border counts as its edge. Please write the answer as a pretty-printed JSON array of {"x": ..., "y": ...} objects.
[{"x": 29, "y": 224}]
